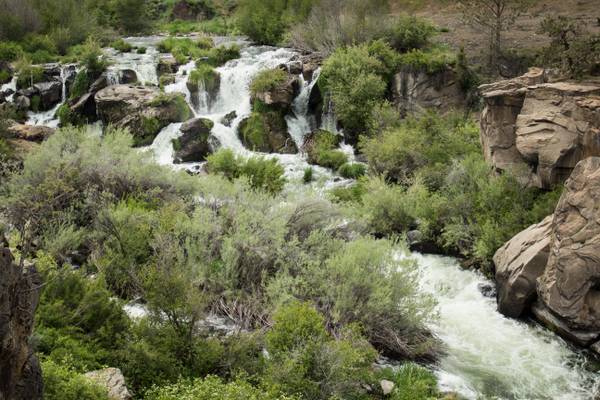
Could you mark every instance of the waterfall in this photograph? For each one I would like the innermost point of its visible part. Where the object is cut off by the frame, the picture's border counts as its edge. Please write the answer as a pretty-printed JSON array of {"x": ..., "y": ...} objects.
[
  {"x": 12, "y": 85},
  {"x": 145, "y": 65},
  {"x": 300, "y": 123},
  {"x": 487, "y": 353},
  {"x": 49, "y": 118}
]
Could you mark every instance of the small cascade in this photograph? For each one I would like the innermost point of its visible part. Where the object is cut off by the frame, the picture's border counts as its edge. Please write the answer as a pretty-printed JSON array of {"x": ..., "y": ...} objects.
[
  {"x": 144, "y": 65},
  {"x": 162, "y": 145},
  {"x": 180, "y": 84},
  {"x": 300, "y": 123},
  {"x": 12, "y": 85},
  {"x": 49, "y": 118},
  {"x": 328, "y": 120}
]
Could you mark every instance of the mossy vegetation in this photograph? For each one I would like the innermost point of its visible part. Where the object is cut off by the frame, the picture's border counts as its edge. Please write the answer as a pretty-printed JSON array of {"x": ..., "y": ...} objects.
[{"x": 267, "y": 80}]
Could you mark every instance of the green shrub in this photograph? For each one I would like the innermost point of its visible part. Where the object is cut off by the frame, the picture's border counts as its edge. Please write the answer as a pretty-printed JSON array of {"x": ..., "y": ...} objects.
[
  {"x": 267, "y": 80},
  {"x": 262, "y": 173},
  {"x": 431, "y": 61},
  {"x": 121, "y": 45},
  {"x": 34, "y": 42},
  {"x": 323, "y": 151},
  {"x": 141, "y": 50},
  {"x": 352, "y": 170},
  {"x": 412, "y": 382},
  {"x": 5, "y": 76},
  {"x": 220, "y": 55},
  {"x": 307, "y": 177},
  {"x": 350, "y": 77},
  {"x": 61, "y": 383},
  {"x": 89, "y": 54},
  {"x": 131, "y": 15},
  {"x": 348, "y": 194},
  {"x": 206, "y": 75},
  {"x": 217, "y": 26},
  {"x": 10, "y": 51},
  {"x": 211, "y": 388},
  {"x": 255, "y": 130},
  {"x": 28, "y": 74},
  {"x": 306, "y": 361},
  {"x": 183, "y": 48},
  {"x": 409, "y": 32}
]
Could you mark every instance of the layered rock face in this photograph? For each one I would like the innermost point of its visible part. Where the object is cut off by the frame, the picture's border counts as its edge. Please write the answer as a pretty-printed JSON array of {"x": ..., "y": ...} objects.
[
  {"x": 143, "y": 110},
  {"x": 20, "y": 372},
  {"x": 569, "y": 286},
  {"x": 540, "y": 129},
  {"x": 417, "y": 91},
  {"x": 562, "y": 254}
]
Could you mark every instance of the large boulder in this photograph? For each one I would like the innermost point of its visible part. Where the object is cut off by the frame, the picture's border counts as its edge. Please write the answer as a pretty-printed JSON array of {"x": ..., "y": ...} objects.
[
  {"x": 143, "y": 110},
  {"x": 415, "y": 91},
  {"x": 569, "y": 286},
  {"x": 266, "y": 132},
  {"x": 196, "y": 142},
  {"x": 113, "y": 380},
  {"x": 540, "y": 129},
  {"x": 35, "y": 133},
  {"x": 50, "y": 94},
  {"x": 282, "y": 95},
  {"x": 20, "y": 372},
  {"x": 167, "y": 64},
  {"x": 519, "y": 263}
]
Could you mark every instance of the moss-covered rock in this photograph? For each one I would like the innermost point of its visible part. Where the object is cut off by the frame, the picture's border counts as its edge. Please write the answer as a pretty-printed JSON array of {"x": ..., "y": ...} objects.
[
  {"x": 266, "y": 132},
  {"x": 196, "y": 142},
  {"x": 143, "y": 110},
  {"x": 321, "y": 149}
]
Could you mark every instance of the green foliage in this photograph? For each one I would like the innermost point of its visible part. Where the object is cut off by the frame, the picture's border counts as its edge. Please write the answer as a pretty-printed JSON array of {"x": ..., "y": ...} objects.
[
  {"x": 10, "y": 51},
  {"x": 323, "y": 151},
  {"x": 121, "y": 46},
  {"x": 409, "y": 32},
  {"x": 62, "y": 383},
  {"x": 211, "y": 388},
  {"x": 265, "y": 21},
  {"x": 264, "y": 174},
  {"x": 349, "y": 194},
  {"x": 352, "y": 78},
  {"x": 430, "y": 142},
  {"x": 90, "y": 55},
  {"x": 81, "y": 84},
  {"x": 131, "y": 15},
  {"x": 305, "y": 360},
  {"x": 184, "y": 48},
  {"x": 352, "y": 170},
  {"x": 572, "y": 48},
  {"x": 141, "y": 50},
  {"x": 412, "y": 382},
  {"x": 307, "y": 177},
  {"x": 267, "y": 80},
  {"x": 431, "y": 61},
  {"x": 176, "y": 100},
  {"x": 216, "y": 26},
  {"x": 28, "y": 74},
  {"x": 218, "y": 56},
  {"x": 206, "y": 75}
]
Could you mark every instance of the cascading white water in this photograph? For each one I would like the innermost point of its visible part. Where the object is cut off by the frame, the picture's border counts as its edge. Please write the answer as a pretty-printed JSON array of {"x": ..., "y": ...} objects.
[
  {"x": 145, "y": 65},
  {"x": 49, "y": 118},
  {"x": 12, "y": 85},
  {"x": 300, "y": 123},
  {"x": 488, "y": 354}
]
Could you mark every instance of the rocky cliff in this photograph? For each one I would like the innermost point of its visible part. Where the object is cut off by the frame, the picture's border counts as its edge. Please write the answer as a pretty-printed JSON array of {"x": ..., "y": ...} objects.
[
  {"x": 558, "y": 261},
  {"x": 539, "y": 128},
  {"x": 20, "y": 372}
]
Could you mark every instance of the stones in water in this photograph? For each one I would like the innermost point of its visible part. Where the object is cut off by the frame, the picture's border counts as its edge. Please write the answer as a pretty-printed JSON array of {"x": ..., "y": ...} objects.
[
  {"x": 196, "y": 141},
  {"x": 20, "y": 372},
  {"x": 519, "y": 263},
  {"x": 539, "y": 128},
  {"x": 228, "y": 119},
  {"x": 266, "y": 132}
]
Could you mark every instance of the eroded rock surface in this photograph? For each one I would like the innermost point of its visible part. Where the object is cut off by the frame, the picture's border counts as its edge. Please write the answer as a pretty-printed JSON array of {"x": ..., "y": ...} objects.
[
  {"x": 519, "y": 263},
  {"x": 196, "y": 141},
  {"x": 540, "y": 129},
  {"x": 113, "y": 380},
  {"x": 569, "y": 286}
]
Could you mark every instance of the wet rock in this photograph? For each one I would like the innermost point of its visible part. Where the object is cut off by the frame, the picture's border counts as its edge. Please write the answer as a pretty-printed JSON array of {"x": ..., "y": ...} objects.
[
  {"x": 294, "y": 67},
  {"x": 540, "y": 129},
  {"x": 554, "y": 323},
  {"x": 228, "y": 119},
  {"x": 266, "y": 132},
  {"x": 20, "y": 372},
  {"x": 569, "y": 286},
  {"x": 127, "y": 76},
  {"x": 194, "y": 144},
  {"x": 519, "y": 263},
  {"x": 167, "y": 64},
  {"x": 487, "y": 289},
  {"x": 35, "y": 133},
  {"x": 310, "y": 63},
  {"x": 417, "y": 91},
  {"x": 282, "y": 95},
  {"x": 50, "y": 94},
  {"x": 22, "y": 102},
  {"x": 51, "y": 70},
  {"x": 143, "y": 110},
  {"x": 113, "y": 380}
]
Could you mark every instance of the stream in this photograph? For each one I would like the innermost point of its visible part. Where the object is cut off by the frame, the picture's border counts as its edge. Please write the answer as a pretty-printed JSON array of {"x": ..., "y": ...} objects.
[{"x": 487, "y": 356}]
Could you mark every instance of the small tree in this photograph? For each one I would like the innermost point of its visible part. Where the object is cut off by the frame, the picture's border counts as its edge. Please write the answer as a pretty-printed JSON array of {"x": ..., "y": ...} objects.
[{"x": 494, "y": 17}]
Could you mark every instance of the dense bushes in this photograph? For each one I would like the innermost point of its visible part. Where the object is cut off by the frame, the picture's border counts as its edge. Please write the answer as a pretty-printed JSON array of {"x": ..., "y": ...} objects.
[
  {"x": 61, "y": 383},
  {"x": 267, "y": 80},
  {"x": 324, "y": 150}
]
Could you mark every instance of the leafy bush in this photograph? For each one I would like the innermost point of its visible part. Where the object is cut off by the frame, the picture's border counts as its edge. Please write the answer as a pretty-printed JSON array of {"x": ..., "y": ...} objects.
[
  {"x": 28, "y": 74},
  {"x": 352, "y": 170},
  {"x": 409, "y": 32},
  {"x": 262, "y": 173},
  {"x": 307, "y": 177},
  {"x": 431, "y": 61},
  {"x": 131, "y": 15},
  {"x": 351, "y": 78},
  {"x": 211, "y": 388},
  {"x": 141, "y": 50},
  {"x": 61, "y": 383},
  {"x": 121, "y": 46},
  {"x": 267, "y": 80},
  {"x": 10, "y": 51},
  {"x": 265, "y": 21},
  {"x": 206, "y": 75},
  {"x": 412, "y": 382},
  {"x": 218, "y": 56},
  {"x": 323, "y": 151}
]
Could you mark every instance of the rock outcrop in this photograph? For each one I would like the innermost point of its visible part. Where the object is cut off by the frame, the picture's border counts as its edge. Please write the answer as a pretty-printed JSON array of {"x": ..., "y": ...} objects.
[
  {"x": 519, "y": 263},
  {"x": 282, "y": 95},
  {"x": 266, "y": 132},
  {"x": 540, "y": 129},
  {"x": 417, "y": 91},
  {"x": 20, "y": 372},
  {"x": 34, "y": 133},
  {"x": 196, "y": 142},
  {"x": 569, "y": 287},
  {"x": 143, "y": 110},
  {"x": 558, "y": 262},
  {"x": 113, "y": 380}
]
